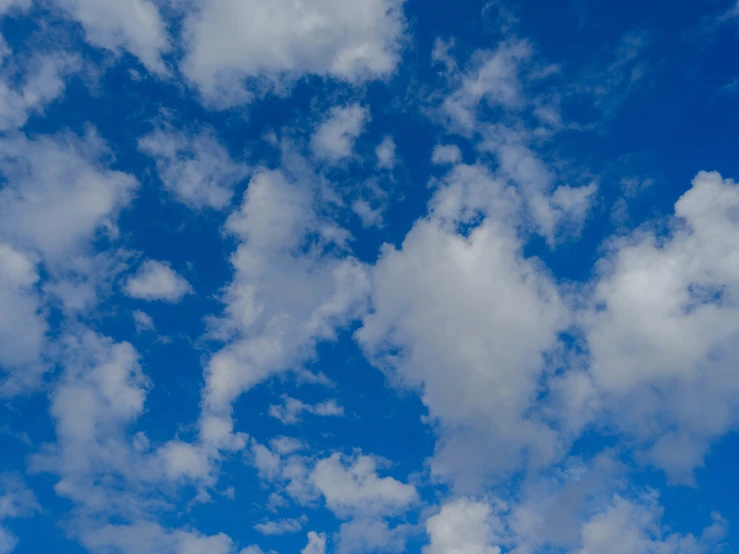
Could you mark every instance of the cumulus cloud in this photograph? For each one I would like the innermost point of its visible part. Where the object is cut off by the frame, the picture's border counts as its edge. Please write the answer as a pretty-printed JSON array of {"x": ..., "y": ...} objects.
[
  {"x": 230, "y": 42},
  {"x": 462, "y": 526},
  {"x": 59, "y": 192},
  {"x": 133, "y": 26},
  {"x": 335, "y": 136},
  {"x": 352, "y": 486},
  {"x": 291, "y": 287},
  {"x": 156, "y": 280},
  {"x": 662, "y": 332},
  {"x": 197, "y": 169},
  {"x": 476, "y": 304},
  {"x": 316, "y": 544},
  {"x": 58, "y": 195}
]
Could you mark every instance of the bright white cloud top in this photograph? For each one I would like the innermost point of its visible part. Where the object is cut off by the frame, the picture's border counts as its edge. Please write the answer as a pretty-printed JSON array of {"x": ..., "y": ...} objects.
[{"x": 368, "y": 277}]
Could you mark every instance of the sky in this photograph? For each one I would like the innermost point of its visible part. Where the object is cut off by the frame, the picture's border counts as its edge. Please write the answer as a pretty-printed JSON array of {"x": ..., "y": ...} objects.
[{"x": 380, "y": 276}]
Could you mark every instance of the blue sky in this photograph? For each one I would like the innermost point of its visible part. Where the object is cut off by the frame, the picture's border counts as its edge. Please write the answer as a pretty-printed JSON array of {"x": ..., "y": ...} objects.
[{"x": 379, "y": 276}]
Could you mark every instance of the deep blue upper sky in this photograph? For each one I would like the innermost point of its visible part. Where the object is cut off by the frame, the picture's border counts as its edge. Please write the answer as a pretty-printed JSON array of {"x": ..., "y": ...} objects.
[{"x": 373, "y": 276}]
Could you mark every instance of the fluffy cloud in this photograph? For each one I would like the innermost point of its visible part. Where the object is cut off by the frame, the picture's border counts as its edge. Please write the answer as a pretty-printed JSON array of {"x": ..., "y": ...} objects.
[
  {"x": 42, "y": 82},
  {"x": 291, "y": 288},
  {"x": 316, "y": 544},
  {"x": 462, "y": 527},
  {"x": 16, "y": 500},
  {"x": 352, "y": 486},
  {"x": 197, "y": 169},
  {"x": 22, "y": 326},
  {"x": 385, "y": 153},
  {"x": 280, "y": 527},
  {"x": 476, "y": 304},
  {"x": 663, "y": 329},
  {"x": 143, "y": 321},
  {"x": 57, "y": 196},
  {"x": 619, "y": 525},
  {"x": 150, "y": 537},
  {"x": 59, "y": 192},
  {"x": 133, "y": 26},
  {"x": 292, "y": 409},
  {"x": 230, "y": 42},
  {"x": 334, "y": 138},
  {"x": 157, "y": 281}
]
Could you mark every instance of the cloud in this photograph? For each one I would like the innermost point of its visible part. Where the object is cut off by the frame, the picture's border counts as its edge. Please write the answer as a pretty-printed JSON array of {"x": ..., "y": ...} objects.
[
  {"x": 474, "y": 303},
  {"x": 385, "y": 153},
  {"x": 59, "y": 192},
  {"x": 292, "y": 409},
  {"x": 143, "y": 321},
  {"x": 229, "y": 43},
  {"x": 662, "y": 330},
  {"x": 150, "y": 537},
  {"x": 446, "y": 154},
  {"x": 133, "y": 26},
  {"x": 352, "y": 486},
  {"x": 619, "y": 525},
  {"x": 334, "y": 138},
  {"x": 16, "y": 501},
  {"x": 197, "y": 169},
  {"x": 462, "y": 526},
  {"x": 58, "y": 196},
  {"x": 156, "y": 280},
  {"x": 316, "y": 544},
  {"x": 41, "y": 82},
  {"x": 293, "y": 286},
  {"x": 8, "y": 5},
  {"x": 23, "y": 326},
  {"x": 280, "y": 527},
  {"x": 370, "y": 535}
]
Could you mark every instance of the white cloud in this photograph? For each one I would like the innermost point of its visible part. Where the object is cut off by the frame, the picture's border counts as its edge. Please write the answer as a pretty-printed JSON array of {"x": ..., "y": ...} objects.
[
  {"x": 59, "y": 192},
  {"x": 16, "y": 501},
  {"x": 58, "y": 195},
  {"x": 352, "y": 486},
  {"x": 151, "y": 537},
  {"x": 291, "y": 289},
  {"x": 473, "y": 303},
  {"x": 157, "y": 281},
  {"x": 446, "y": 154},
  {"x": 370, "y": 535},
  {"x": 7, "y": 5},
  {"x": 495, "y": 78},
  {"x": 22, "y": 323},
  {"x": 664, "y": 326},
  {"x": 292, "y": 409},
  {"x": 334, "y": 138},
  {"x": 135, "y": 26},
  {"x": 143, "y": 321},
  {"x": 231, "y": 41},
  {"x": 462, "y": 527},
  {"x": 629, "y": 528},
  {"x": 385, "y": 153},
  {"x": 616, "y": 526},
  {"x": 197, "y": 169},
  {"x": 280, "y": 527},
  {"x": 43, "y": 82},
  {"x": 316, "y": 544}
]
